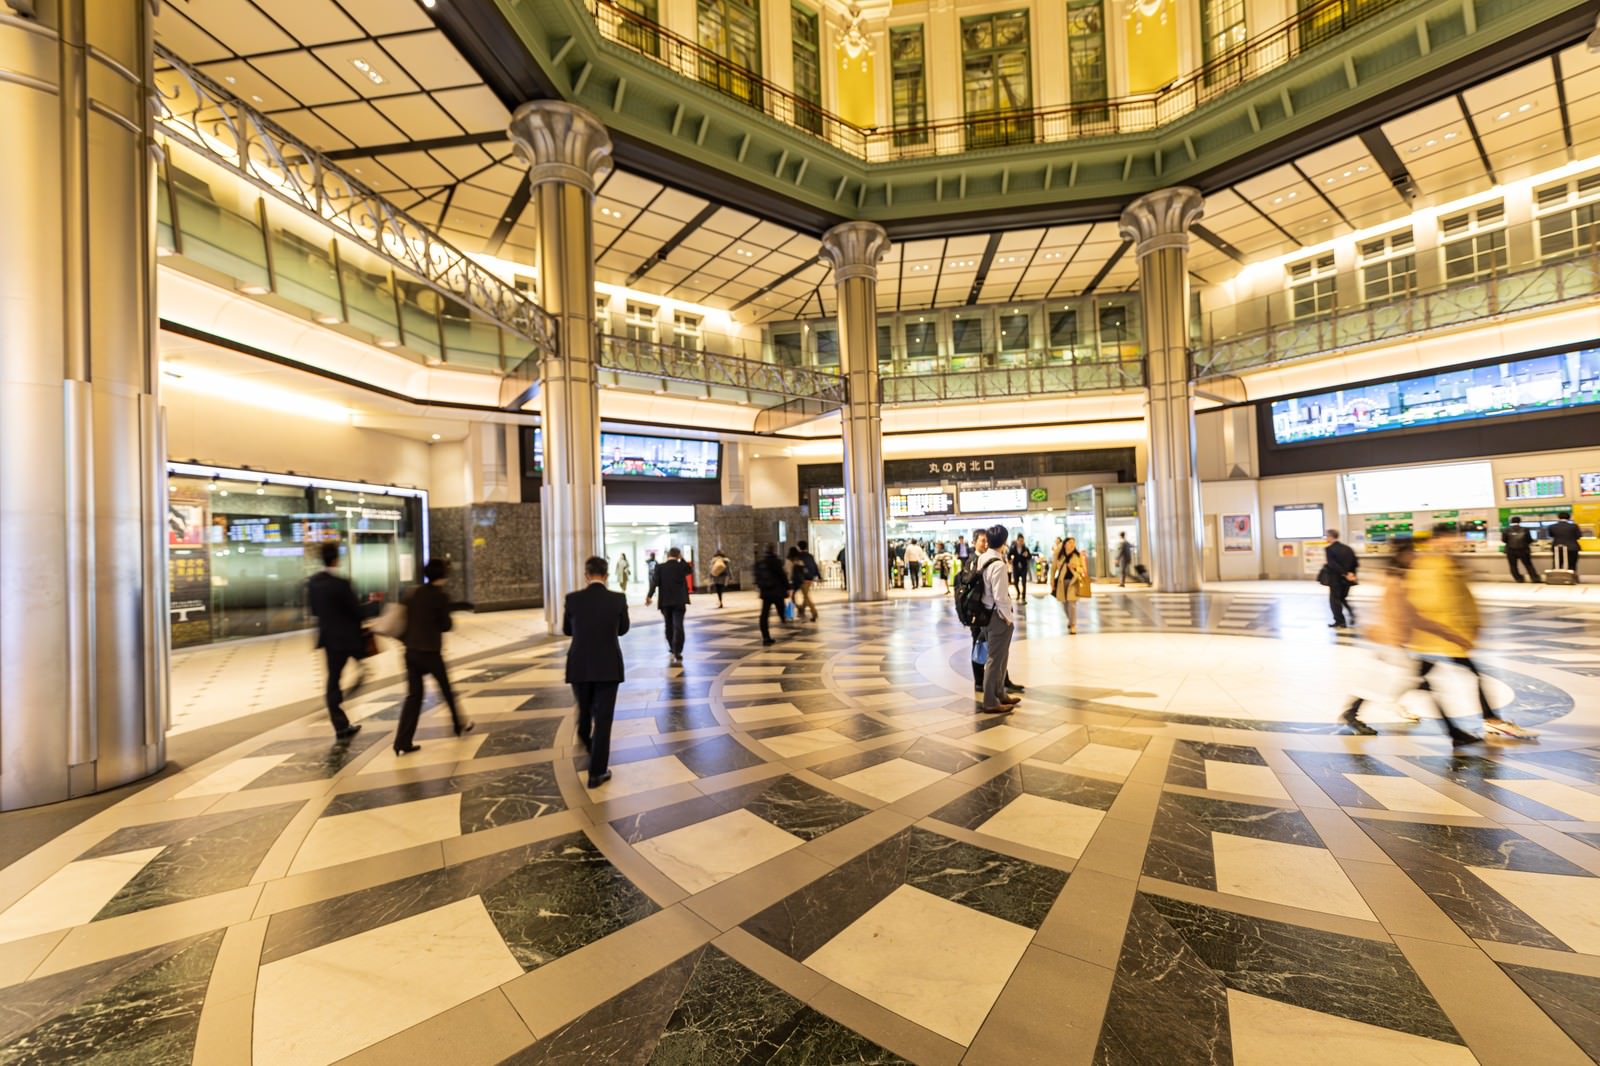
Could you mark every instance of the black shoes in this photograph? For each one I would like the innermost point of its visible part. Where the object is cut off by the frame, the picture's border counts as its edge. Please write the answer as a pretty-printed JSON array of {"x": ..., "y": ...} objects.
[
  {"x": 464, "y": 730},
  {"x": 767, "y": 641},
  {"x": 347, "y": 732},
  {"x": 408, "y": 749},
  {"x": 1460, "y": 738},
  {"x": 596, "y": 782},
  {"x": 1012, "y": 686},
  {"x": 1356, "y": 725}
]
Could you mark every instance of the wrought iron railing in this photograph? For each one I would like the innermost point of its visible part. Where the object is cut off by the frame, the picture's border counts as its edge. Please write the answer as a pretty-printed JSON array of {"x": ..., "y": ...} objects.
[
  {"x": 1315, "y": 25},
  {"x": 1012, "y": 382},
  {"x": 640, "y": 358},
  {"x": 207, "y": 118},
  {"x": 1457, "y": 303}
]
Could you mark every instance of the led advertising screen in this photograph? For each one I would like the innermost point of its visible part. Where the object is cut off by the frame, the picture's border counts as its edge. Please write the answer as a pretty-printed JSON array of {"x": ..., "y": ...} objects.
[
  {"x": 830, "y": 505},
  {"x": 634, "y": 456},
  {"x": 1545, "y": 383},
  {"x": 993, "y": 501},
  {"x": 1543, "y": 487},
  {"x": 920, "y": 503},
  {"x": 1420, "y": 488},
  {"x": 1589, "y": 484},
  {"x": 1298, "y": 521}
]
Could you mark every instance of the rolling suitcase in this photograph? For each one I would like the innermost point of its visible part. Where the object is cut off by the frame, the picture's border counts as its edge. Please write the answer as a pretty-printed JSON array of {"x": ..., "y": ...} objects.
[{"x": 1562, "y": 572}]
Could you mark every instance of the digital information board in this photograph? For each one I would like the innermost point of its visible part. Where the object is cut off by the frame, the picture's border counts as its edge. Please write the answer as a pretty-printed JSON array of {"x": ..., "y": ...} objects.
[
  {"x": 636, "y": 456},
  {"x": 1546, "y": 383},
  {"x": 1001, "y": 498},
  {"x": 1589, "y": 484},
  {"x": 1419, "y": 488},
  {"x": 830, "y": 505},
  {"x": 923, "y": 503},
  {"x": 1298, "y": 521},
  {"x": 1542, "y": 487}
]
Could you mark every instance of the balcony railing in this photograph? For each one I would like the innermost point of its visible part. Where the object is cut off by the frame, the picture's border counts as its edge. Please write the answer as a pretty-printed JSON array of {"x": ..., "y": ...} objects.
[
  {"x": 1456, "y": 303},
  {"x": 1315, "y": 25},
  {"x": 647, "y": 359},
  {"x": 1038, "y": 376},
  {"x": 204, "y": 116}
]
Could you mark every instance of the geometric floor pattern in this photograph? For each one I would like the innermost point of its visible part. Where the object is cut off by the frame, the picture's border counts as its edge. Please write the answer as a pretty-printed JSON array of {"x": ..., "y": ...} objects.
[{"x": 818, "y": 853}]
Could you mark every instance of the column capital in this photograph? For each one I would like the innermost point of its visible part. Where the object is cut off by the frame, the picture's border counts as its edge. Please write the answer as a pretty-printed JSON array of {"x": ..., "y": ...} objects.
[
  {"x": 561, "y": 142},
  {"x": 853, "y": 249},
  {"x": 1161, "y": 219}
]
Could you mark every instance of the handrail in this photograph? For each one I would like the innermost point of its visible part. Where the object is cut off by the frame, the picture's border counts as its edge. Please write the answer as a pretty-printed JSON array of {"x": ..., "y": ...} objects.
[
  {"x": 1306, "y": 29},
  {"x": 643, "y": 358},
  {"x": 223, "y": 128},
  {"x": 1010, "y": 382}
]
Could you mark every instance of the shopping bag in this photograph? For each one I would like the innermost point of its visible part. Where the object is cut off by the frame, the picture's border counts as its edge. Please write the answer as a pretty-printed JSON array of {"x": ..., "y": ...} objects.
[
  {"x": 788, "y": 610},
  {"x": 980, "y": 652},
  {"x": 391, "y": 621}
]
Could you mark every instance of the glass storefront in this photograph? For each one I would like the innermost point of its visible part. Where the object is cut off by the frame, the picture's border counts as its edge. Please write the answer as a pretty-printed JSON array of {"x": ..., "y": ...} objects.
[{"x": 241, "y": 543}]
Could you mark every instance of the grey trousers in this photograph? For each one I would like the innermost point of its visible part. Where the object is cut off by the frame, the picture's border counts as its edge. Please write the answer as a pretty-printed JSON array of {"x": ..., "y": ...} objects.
[{"x": 994, "y": 672}]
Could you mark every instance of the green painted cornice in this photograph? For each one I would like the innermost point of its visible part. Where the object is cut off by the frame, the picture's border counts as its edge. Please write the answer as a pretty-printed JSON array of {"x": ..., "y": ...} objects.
[{"x": 1398, "y": 60}]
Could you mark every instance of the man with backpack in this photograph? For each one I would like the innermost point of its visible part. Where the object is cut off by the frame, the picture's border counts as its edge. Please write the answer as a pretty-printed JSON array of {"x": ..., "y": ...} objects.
[
  {"x": 976, "y": 600},
  {"x": 1519, "y": 549},
  {"x": 802, "y": 596}
]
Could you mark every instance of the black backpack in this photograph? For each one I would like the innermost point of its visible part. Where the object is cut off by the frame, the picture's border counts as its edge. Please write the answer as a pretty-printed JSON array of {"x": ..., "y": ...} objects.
[
  {"x": 1517, "y": 539},
  {"x": 969, "y": 596}
]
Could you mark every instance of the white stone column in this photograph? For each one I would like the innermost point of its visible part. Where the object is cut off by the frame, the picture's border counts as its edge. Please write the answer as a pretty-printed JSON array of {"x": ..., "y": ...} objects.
[
  {"x": 83, "y": 619},
  {"x": 567, "y": 151},
  {"x": 854, "y": 249},
  {"x": 1158, "y": 224}
]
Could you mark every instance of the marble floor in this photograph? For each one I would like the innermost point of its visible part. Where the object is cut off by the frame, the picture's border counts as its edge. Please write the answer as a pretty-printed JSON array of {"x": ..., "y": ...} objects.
[{"x": 818, "y": 853}]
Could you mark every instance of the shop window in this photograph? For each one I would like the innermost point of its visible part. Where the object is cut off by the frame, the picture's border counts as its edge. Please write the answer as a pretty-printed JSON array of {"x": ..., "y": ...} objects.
[
  {"x": 909, "y": 85},
  {"x": 1388, "y": 267},
  {"x": 1223, "y": 30},
  {"x": 641, "y": 322},
  {"x": 602, "y": 314},
  {"x": 1568, "y": 217},
  {"x": 787, "y": 349},
  {"x": 638, "y": 25},
  {"x": 686, "y": 331},
  {"x": 1311, "y": 287},
  {"x": 807, "y": 51},
  {"x": 997, "y": 79},
  {"x": 1474, "y": 243},
  {"x": 731, "y": 31},
  {"x": 1086, "y": 56}
]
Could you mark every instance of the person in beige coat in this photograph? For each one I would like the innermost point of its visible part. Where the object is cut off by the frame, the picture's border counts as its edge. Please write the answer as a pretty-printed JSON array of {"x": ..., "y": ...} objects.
[{"x": 1069, "y": 580}]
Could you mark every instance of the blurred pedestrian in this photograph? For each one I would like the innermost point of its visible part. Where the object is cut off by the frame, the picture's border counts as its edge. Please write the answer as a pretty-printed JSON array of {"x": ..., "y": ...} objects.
[
  {"x": 1069, "y": 580},
  {"x": 1021, "y": 568},
  {"x": 594, "y": 617},
  {"x": 773, "y": 585},
  {"x": 914, "y": 558},
  {"x": 1124, "y": 559},
  {"x": 428, "y": 610},
  {"x": 719, "y": 574},
  {"x": 624, "y": 571},
  {"x": 332, "y": 600},
  {"x": 812, "y": 573},
  {"x": 669, "y": 584},
  {"x": 1339, "y": 574}
]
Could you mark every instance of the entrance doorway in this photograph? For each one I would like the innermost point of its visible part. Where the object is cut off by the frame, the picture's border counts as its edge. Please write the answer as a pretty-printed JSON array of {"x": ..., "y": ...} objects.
[{"x": 643, "y": 534}]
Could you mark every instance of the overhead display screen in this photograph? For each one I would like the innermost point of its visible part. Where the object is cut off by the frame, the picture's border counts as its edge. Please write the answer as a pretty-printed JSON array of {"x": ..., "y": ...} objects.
[
  {"x": 1589, "y": 484},
  {"x": 920, "y": 504},
  {"x": 830, "y": 505},
  {"x": 1543, "y": 487},
  {"x": 1298, "y": 521},
  {"x": 1420, "y": 488},
  {"x": 1546, "y": 383},
  {"x": 994, "y": 500},
  {"x": 633, "y": 456}
]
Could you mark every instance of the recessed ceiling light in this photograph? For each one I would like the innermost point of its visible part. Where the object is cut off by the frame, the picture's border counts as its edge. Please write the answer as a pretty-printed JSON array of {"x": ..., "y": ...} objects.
[
  {"x": 1362, "y": 169},
  {"x": 1430, "y": 142},
  {"x": 328, "y": 320},
  {"x": 428, "y": 4},
  {"x": 1415, "y": 148},
  {"x": 257, "y": 99},
  {"x": 1293, "y": 195},
  {"x": 1277, "y": 199},
  {"x": 1450, "y": 136},
  {"x": 361, "y": 64},
  {"x": 1526, "y": 107},
  {"x": 1502, "y": 116},
  {"x": 435, "y": 436},
  {"x": 230, "y": 79},
  {"x": 388, "y": 342}
]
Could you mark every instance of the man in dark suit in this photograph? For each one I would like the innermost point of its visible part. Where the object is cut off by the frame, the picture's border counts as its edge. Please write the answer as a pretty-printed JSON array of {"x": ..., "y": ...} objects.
[
  {"x": 1341, "y": 572},
  {"x": 594, "y": 617},
  {"x": 332, "y": 599},
  {"x": 773, "y": 584},
  {"x": 669, "y": 584},
  {"x": 1564, "y": 547}
]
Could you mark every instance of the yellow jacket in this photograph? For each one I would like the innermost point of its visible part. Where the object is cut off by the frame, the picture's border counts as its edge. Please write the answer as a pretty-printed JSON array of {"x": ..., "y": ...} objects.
[{"x": 1437, "y": 588}]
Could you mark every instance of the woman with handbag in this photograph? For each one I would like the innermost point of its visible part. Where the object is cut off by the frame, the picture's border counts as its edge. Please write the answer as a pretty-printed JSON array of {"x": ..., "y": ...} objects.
[
  {"x": 719, "y": 574},
  {"x": 1069, "y": 580}
]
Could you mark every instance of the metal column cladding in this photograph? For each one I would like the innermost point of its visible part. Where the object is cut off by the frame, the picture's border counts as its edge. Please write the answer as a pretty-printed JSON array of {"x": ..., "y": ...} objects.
[
  {"x": 854, "y": 249},
  {"x": 1159, "y": 224},
  {"x": 82, "y": 632}
]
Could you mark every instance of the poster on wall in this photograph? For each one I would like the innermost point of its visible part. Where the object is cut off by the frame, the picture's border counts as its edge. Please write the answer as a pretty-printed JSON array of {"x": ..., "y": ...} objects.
[
  {"x": 186, "y": 523},
  {"x": 1237, "y": 536},
  {"x": 189, "y": 595}
]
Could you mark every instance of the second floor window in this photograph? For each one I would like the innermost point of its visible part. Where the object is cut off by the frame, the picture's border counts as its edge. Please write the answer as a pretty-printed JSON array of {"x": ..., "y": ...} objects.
[
  {"x": 640, "y": 33},
  {"x": 997, "y": 79},
  {"x": 1312, "y": 286},
  {"x": 1474, "y": 243},
  {"x": 807, "y": 67},
  {"x": 641, "y": 322},
  {"x": 1086, "y": 51},
  {"x": 1388, "y": 267},
  {"x": 910, "y": 85},
  {"x": 686, "y": 331},
  {"x": 731, "y": 30},
  {"x": 1569, "y": 217},
  {"x": 1223, "y": 30}
]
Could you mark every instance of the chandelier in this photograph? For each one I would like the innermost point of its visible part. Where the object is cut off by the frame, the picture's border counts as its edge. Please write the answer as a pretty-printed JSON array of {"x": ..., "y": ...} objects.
[{"x": 854, "y": 44}]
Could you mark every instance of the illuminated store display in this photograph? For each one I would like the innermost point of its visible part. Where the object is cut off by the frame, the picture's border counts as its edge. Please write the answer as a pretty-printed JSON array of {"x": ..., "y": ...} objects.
[
  {"x": 1420, "y": 488},
  {"x": 1298, "y": 521},
  {"x": 1589, "y": 484},
  {"x": 1543, "y": 487},
  {"x": 632, "y": 455},
  {"x": 1546, "y": 383}
]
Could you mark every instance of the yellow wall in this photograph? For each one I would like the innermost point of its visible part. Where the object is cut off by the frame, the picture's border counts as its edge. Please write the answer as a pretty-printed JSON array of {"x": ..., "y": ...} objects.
[
  {"x": 856, "y": 103},
  {"x": 1152, "y": 50}
]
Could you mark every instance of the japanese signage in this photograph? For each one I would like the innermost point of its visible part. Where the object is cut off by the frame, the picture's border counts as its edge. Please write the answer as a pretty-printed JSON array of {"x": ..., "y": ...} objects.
[{"x": 920, "y": 503}]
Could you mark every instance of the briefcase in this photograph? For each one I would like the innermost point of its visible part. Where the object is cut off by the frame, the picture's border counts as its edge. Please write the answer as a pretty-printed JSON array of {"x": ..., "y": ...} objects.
[{"x": 1562, "y": 573}]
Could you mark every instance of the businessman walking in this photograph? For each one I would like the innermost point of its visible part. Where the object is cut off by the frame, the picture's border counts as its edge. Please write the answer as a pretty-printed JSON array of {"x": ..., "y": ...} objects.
[{"x": 594, "y": 617}]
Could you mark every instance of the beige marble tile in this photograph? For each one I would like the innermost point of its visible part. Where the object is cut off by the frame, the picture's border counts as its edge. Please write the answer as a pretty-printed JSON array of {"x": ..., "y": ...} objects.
[
  {"x": 700, "y": 855},
  {"x": 342, "y": 838},
  {"x": 997, "y": 738},
  {"x": 1269, "y": 1033},
  {"x": 1049, "y": 824},
  {"x": 1408, "y": 794},
  {"x": 789, "y": 745},
  {"x": 73, "y": 895},
  {"x": 891, "y": 780},
  {"x": 233, "y": 776},
  {"x": 1244, "y": 779},
  {"x": 1291, "y": 874},
  {"x": 434, "y": 752},
  {"x": 1564, "y": 798},
  {"x": 938, "y": 963},
  {"x": 1104, "y": 758},
  {"x": 757, "y": 671},
  {"x": 856, "y": 683},
  {"x": 127, "y": 933},
  {"x": 630, "y": 778},
  {"x": 746, "y": 689},
  {"x": 1567, "y": 906},
  {"x": 762, "y": 712},
  {"x": 408, "y": 971}
]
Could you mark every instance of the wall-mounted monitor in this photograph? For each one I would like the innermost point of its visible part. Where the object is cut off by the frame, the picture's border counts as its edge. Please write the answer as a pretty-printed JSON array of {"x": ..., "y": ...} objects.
[
  {"x": 1419, "y": 488},
  {"x": 993, "y": 501},
  {"x": 1546, "y": 384},
  {"x": 1298, "y": 521},
  {"x": 920, "y": 503},
  {"x": 1589, "y": 484},
  {"x": 1542, "y": 487},
  {"x": 830, "y": 505},
  {"x": 631, "y": 455}
]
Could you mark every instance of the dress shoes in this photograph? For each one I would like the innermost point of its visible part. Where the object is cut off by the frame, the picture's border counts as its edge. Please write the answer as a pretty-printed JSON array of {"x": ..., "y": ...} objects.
[
  {"x": 596, "y": 782},
  {"x": 999, "y": 708},
  {"x": 464, "y": 730},
  {"x": 348, "y": 731},
  {"x": 408, "y": 749}
]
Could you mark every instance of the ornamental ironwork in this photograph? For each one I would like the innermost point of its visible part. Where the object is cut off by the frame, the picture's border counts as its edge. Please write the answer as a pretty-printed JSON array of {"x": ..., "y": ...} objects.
[
  {"x": 213, "y": 122},
  {"x": 642, "y": 358},
  {"x": 1012, "y": 382}
]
